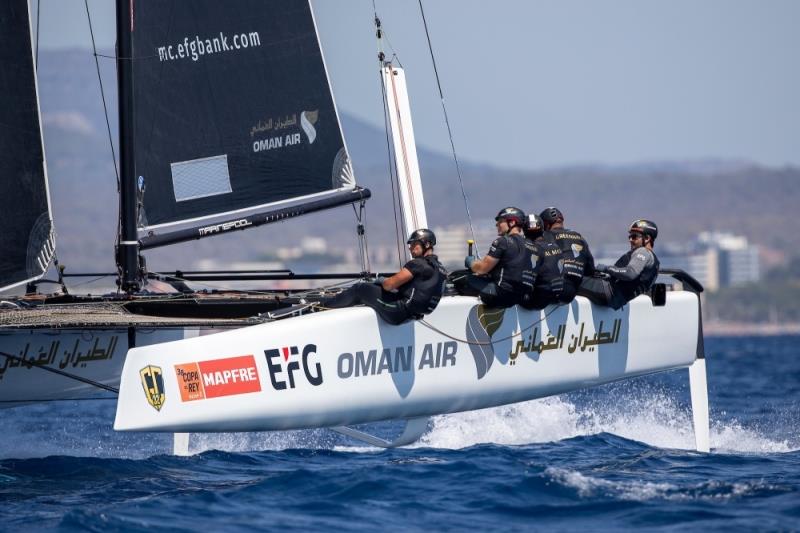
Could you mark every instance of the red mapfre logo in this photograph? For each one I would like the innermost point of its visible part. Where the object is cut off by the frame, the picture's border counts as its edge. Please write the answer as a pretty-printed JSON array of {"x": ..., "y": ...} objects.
[{"x": 221, "y": 377}]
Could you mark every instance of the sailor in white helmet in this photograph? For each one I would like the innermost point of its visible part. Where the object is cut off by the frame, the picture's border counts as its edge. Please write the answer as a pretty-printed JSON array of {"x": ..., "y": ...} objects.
[{"x": 633, "y": 274}]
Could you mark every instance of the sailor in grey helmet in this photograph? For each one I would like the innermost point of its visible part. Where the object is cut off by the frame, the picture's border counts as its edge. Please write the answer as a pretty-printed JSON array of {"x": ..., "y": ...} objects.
[
  {"x": 413, "y": 292},
  {"x": 633, "y": 274}
]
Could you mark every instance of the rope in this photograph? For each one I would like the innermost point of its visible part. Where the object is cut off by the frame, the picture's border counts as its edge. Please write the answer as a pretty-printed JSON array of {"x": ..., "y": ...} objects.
[
  {"x": 102, "y": 94},
  {"x": 493, "y": 341},
  {"x": 363, "y": 244},
  {"x": 392, "y": 175},
  {"x": 108, "y": 129},
  {"x": 254, "y": 292},
  {"x": 447, "y": 122},
  {"x": 40, "y": 400},
  {"x": 61, "y": 373},
  {"x": 38, "y": 19}
]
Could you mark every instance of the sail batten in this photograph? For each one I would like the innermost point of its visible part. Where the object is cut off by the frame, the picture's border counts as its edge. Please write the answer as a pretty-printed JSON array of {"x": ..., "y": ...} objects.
[
  {"x": 233, "y": 110},
  {"x": 27, "y": 239}
]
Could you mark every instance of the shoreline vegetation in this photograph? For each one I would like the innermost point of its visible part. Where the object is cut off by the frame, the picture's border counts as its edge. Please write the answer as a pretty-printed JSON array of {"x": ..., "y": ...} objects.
[
  {"x": 768, "y": 307},
  {"x": 724, "y": 328}
]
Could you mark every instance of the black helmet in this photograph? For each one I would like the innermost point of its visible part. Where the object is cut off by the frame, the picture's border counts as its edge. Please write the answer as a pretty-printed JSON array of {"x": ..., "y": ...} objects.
[
  {"x": 424, "y": 236},
  {"x": 512, "y": 214},
  {"x": 533, "y": 226},
  {"x": 534, "y": 223},
  {"x": 551, "y": 215},
  {"x": 645, "y": 227}
]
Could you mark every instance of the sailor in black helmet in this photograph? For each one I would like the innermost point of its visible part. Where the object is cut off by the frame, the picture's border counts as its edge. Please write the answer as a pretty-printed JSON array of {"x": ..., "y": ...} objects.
[
  {"x": 548, "y": 267},
  {"x": 633, "y": 274},
  {"x": 411, "y": 293},
  {"x": 504, "y": 275},
  {"x": 577, "y": 259}
]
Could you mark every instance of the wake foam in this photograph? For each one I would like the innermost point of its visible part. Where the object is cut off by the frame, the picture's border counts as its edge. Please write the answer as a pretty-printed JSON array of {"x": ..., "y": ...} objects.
[
  {"x": 645, "y": 414},
  {"x": 653, "y": 418},
  {"x": 263, "y": 441},
  {"x": 588, "y": 486}
]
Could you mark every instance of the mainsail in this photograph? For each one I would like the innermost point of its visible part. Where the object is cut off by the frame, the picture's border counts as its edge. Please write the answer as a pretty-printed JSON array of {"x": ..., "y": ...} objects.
[
  {"x": 26, "y": 236},
  {"x": 233, "y": 110}
]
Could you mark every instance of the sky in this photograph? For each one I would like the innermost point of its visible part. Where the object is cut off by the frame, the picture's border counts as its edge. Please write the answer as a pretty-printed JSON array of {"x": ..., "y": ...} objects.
[{"x": 533, "y": 84}]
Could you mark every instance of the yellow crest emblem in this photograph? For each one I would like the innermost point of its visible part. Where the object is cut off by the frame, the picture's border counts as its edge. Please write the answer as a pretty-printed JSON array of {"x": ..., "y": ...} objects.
[{"x": 153, "y": 383}]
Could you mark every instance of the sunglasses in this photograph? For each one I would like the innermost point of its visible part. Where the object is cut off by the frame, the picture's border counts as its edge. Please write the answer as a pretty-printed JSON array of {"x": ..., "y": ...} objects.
[{"x": 634, "y": 237}]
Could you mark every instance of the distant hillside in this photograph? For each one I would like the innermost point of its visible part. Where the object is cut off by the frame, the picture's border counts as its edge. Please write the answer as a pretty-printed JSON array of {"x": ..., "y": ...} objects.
[{"x": 683, "y": 197}]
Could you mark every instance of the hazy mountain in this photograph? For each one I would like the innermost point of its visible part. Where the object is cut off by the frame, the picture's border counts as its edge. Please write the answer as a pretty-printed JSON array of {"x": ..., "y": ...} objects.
[{"x": 684, "y": 197}]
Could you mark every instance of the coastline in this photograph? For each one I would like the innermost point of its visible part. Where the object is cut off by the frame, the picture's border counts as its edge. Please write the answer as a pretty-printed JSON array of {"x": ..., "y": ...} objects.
[{"x": 741, "y": 329}]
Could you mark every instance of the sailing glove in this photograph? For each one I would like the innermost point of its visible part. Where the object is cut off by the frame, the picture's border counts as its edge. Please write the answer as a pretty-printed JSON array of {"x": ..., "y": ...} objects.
[{"x": 469, "y": 260}]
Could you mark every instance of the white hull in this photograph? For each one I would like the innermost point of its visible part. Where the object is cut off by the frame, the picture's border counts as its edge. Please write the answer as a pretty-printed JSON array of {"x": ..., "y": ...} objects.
[
  {"x": 345, "y": 366},
  {"x": 96, "y": 354}
]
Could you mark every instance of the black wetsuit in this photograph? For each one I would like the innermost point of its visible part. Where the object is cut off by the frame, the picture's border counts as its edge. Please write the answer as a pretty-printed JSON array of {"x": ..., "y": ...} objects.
[
  {"x": 548, "y": 280},
  {"x": 577, "y": 259},
  {"x": 633, "y": 274},
  {"x": 418, "y": 297},
  {"x": 511, "y": 277}
]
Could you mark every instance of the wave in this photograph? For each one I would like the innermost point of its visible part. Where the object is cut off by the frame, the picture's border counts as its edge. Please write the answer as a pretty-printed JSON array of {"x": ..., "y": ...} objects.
[
  {"x": 588, "y": 486},
  {"x": 653, "y": 418}
]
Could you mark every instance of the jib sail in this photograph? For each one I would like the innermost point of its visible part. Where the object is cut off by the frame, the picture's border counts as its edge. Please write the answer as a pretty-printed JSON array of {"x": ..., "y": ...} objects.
[
  {"x": 26, "y": 238},
  {"x": 233, "y": 110}
]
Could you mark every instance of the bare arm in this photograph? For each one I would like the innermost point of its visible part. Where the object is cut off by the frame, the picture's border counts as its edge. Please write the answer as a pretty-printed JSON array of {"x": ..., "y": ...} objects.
[
  {"x": 484, "y": 265},
  {"x": 401, "y": 278}
]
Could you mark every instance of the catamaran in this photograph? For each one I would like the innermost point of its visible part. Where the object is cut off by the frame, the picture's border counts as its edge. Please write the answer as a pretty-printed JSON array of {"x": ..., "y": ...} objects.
[{"x": 227, "y": 122}]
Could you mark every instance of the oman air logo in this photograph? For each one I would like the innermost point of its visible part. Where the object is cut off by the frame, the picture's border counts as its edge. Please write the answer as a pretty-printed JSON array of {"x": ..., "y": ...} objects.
[
  {"x": 307, "y": 121},
  {"x": 576, "y": 250},
  {"x": 153, "y": 383},
  {"x": 482, "y": 323},
  {"x": 283, "y": 365}
]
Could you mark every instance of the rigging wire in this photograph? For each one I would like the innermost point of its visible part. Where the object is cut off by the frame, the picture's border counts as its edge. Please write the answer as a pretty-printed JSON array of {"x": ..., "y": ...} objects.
[
  {"x": 492, "y": 341},
  {"x": 393, "y": 177},
  {"x": 52, "y": 237},
  {"x": 38, "y": 19},
  {"x": 36, "y": 364},
  {"x": 102, "y": 94},
  {"x": 42, "y": 400},
  {"x": 108, "y": 126},
  {"x": 363, "y": 245},
  {"x": 447, "y": 122}
]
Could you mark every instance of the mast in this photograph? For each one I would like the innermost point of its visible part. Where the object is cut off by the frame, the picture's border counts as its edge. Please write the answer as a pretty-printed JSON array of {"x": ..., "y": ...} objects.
[
  {"x": 412, "y": 200},
  {"x": 128, "y": 248}
]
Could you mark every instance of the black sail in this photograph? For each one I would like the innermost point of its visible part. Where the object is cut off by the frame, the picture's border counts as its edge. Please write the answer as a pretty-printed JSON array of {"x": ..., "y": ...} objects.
[
  {"x": 26, "y": 237},
  {"x": 233, "y": 109}
]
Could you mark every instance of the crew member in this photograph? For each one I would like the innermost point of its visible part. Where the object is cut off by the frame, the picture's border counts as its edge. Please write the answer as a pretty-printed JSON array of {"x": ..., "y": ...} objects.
[
  {"x": 577, "y": 259},
  {"x": 633, "y": 274},
  {"x": 504, "y": 275},
  {"x": 411, "y": 293},
  {"x": 548, "y": 266}
]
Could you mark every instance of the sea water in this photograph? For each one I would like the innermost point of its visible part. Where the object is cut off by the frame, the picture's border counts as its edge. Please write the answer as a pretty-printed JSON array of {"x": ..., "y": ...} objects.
[{"x": 615, "y": 457}]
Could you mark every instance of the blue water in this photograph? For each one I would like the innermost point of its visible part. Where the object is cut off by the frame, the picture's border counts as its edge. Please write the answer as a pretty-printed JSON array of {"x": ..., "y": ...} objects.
[{"x": 618, "y": 457}]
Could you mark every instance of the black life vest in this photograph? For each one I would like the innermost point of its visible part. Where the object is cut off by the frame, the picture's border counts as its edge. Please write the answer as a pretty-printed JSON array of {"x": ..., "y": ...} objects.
[
  {"x": 641, "y": 285},
  {"x": 514, "y": 272},
  {"x": 574, "y": 252},
  {"x": 422, "y": 294},
  {"x": 548, "y": 266}
]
